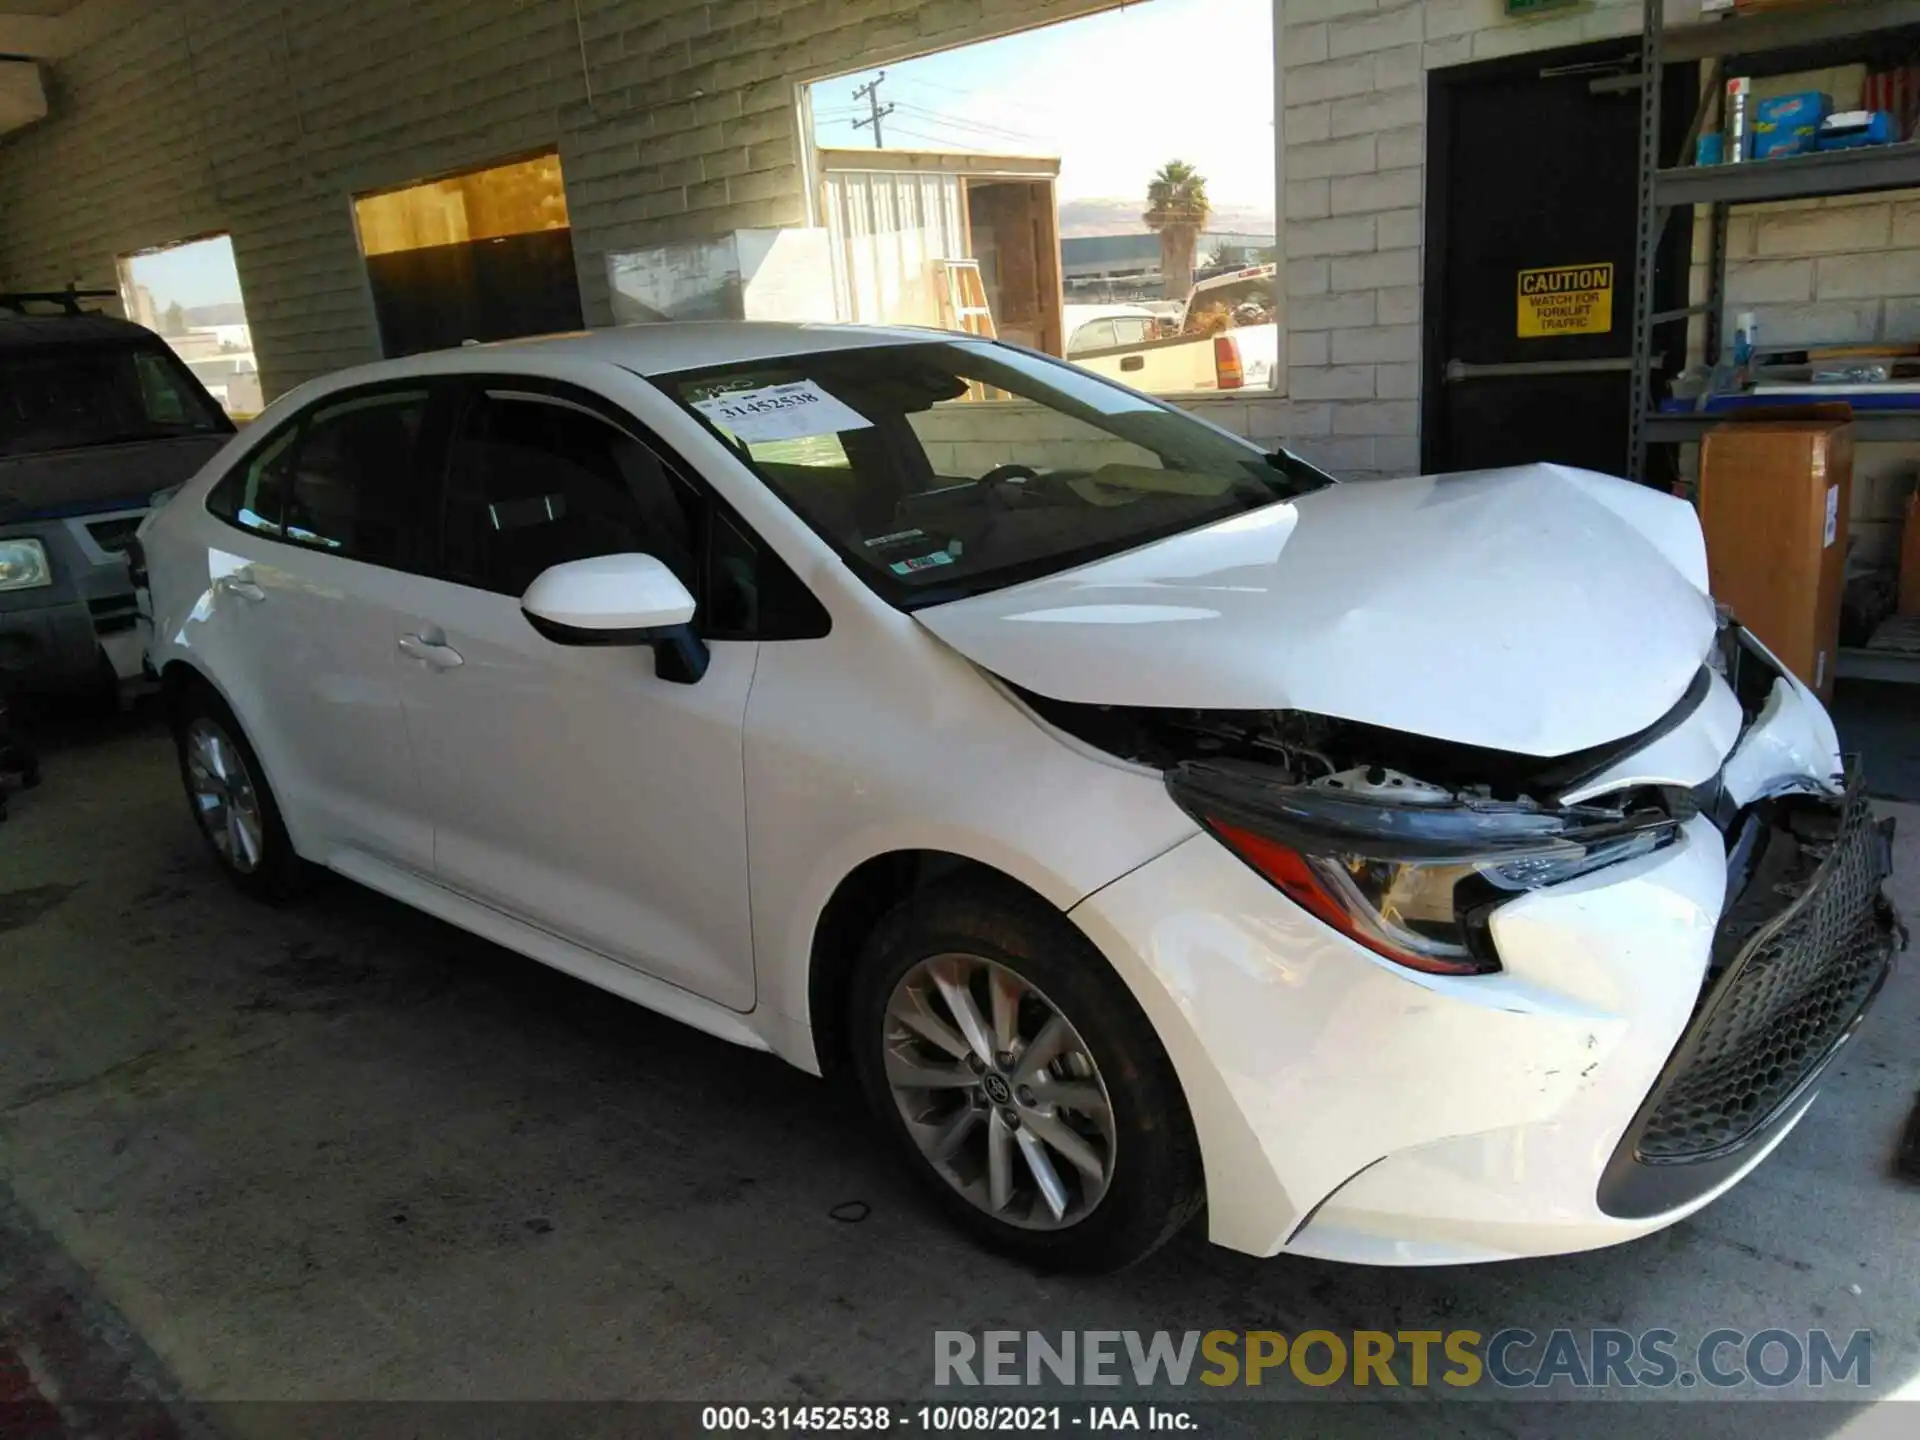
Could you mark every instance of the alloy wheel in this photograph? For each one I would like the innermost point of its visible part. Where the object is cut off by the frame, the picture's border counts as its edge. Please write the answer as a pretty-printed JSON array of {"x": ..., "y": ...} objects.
[
  {"x": 999, "y": 1091},
  {"x": 223, "y": 795}
]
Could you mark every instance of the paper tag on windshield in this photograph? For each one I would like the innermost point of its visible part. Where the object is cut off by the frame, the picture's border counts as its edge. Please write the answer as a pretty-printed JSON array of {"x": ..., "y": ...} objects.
[{"x": 781, "y": 412}]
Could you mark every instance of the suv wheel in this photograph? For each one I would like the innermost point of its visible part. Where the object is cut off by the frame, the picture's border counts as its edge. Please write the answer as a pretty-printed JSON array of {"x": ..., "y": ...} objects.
[
  {"x": 1021, "y": 1081},
  {"x": 231, "y": 800}
]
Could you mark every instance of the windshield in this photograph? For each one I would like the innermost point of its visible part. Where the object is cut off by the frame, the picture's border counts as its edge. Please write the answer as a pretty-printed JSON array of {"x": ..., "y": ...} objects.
[
  {"x": 66, "y": 397},
  {"x": 950, "y": 468}
]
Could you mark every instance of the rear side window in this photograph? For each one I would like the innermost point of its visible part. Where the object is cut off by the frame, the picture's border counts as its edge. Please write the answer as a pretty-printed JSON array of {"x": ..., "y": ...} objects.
[
  {"x": 342, "y": 478},
  {"x": 353, "y": 488}
]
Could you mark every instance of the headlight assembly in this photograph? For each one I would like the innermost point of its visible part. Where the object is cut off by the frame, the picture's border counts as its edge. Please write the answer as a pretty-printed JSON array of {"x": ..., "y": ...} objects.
[
  {"x": 23, "y": 565},
  {"x": 1413, "y": 882}
]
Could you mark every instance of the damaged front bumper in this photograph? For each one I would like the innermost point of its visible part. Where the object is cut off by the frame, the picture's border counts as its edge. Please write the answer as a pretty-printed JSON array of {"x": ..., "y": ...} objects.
[
  {"x": 1647, "y": 1038},
  {"x": 1800, "y": 954}
]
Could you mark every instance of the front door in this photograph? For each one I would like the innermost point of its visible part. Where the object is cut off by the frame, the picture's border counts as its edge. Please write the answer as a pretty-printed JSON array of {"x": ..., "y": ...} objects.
[
  {"x": 1531, "y": 226},
  {"x": 571, "y": 786}
]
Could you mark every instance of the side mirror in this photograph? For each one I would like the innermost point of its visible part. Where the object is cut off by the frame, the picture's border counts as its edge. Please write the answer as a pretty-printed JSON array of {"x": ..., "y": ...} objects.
[{"x": 626, "y": 599}]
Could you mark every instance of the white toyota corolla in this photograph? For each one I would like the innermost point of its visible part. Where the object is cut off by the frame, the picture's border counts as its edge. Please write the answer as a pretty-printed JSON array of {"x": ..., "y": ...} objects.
[{"x": 1410, "y": 871}]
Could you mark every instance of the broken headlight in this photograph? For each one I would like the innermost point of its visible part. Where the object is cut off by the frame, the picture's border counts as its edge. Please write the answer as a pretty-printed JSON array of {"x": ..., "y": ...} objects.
[{"x": 1414, "y": 882}]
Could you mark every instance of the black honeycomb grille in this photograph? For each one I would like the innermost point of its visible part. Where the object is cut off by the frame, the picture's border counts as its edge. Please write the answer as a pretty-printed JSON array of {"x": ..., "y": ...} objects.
[{"x": 1797, "y": 958}]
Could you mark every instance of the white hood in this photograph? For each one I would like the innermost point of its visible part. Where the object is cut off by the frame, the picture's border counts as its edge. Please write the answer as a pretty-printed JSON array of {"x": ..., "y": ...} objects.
[{"x": 1537, "y": 610}]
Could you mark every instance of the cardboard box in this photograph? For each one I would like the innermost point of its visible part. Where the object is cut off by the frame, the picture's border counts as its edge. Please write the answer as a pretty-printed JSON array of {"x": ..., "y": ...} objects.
[
  {"x": 1910, "y": 558},
  {"x": 1773, "y": 502}
]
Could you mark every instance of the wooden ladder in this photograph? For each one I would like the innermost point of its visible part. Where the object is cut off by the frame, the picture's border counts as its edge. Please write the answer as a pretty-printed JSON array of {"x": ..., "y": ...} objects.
[{"x": 963, "y": 298}]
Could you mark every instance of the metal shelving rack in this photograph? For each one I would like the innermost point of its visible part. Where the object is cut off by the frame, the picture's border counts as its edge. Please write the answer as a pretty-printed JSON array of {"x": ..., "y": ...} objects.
[{"x": 1769, "y": 42}]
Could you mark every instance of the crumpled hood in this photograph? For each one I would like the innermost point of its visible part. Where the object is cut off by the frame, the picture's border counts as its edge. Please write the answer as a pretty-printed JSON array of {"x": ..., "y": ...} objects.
[{"x": 1537, "y": 610}]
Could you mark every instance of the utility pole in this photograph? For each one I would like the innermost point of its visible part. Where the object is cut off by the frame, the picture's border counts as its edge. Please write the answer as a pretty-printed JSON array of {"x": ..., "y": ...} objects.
[{"x": 870, "y": 93}]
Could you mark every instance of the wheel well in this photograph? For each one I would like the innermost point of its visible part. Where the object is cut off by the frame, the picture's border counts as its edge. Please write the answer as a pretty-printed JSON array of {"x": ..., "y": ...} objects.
[
  {"x": 178, "y": 680},
  {"x": 867, "y": 894}
]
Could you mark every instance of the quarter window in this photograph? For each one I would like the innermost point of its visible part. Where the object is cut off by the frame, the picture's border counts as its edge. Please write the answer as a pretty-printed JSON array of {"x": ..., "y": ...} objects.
[{"x": 254, "y": 496}]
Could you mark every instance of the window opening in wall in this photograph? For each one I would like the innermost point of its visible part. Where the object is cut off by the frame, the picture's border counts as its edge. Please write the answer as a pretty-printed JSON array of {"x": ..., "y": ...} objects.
[
  {"x": 189, "y": 294},
  {"x": 1120, "y": 210},
  {"x": 482, "y": 255}
]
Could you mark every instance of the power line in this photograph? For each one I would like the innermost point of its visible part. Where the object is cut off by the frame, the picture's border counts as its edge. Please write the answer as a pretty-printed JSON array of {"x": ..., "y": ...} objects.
[{"x": 961, "y": 122}]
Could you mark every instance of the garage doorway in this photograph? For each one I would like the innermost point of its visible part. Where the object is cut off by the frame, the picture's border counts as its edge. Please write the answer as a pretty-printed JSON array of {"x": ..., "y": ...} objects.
[
  {"x": 1531, "y": 220},
  {"x": 483, "y": 255}
]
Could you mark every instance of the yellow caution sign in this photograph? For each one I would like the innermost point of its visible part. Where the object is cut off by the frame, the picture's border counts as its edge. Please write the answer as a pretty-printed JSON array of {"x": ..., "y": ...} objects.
[{"x": 1566, "y": 300}]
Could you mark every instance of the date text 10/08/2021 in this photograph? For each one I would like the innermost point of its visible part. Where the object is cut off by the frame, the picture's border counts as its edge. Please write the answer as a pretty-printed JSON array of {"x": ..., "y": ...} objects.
[{"x": 941, "y": 1418}]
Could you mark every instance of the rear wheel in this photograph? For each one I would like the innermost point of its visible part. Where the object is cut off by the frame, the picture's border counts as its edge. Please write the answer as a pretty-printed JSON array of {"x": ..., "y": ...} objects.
[
  {"x": 231, "y": 800},
  {"x": 1021, "y": 1081}
]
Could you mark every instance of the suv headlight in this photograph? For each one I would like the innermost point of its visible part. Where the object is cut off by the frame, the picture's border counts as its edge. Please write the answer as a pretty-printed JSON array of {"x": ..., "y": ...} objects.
[{"x": 23, "y": 565}]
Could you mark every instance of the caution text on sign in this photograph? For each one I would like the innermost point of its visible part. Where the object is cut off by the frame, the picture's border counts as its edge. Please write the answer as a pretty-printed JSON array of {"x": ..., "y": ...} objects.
[{"x": 1566, "y": 300}]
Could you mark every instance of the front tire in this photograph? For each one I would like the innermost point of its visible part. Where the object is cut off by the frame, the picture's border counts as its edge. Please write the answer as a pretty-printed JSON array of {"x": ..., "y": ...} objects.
[
  {"x": 1020, "y": 1081},
  {"x": 232, "y": 804}
]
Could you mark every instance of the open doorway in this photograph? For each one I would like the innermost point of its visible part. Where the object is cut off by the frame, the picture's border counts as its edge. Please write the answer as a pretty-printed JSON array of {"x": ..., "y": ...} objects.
[
  {"x": 483, "y": 255},
  {"x": 189, "y": 294},
  {"x": 1060, "y": 179}
]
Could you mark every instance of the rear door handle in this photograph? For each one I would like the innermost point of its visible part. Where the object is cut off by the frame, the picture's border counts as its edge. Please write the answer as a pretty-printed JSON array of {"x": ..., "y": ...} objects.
[
  {"x": 431, "y": 652},
  {"x": 240, "y": 585}
]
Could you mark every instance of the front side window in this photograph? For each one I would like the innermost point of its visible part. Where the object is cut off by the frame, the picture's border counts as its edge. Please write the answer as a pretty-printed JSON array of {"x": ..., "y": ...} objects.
[
  {"x": 69, "y": 397},
  {"x": 536, "y": 482},
  {"x": 953, "y": 467}
]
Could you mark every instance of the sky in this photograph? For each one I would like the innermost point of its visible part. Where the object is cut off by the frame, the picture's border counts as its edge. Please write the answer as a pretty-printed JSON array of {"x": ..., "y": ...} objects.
[
  {"x": 1113, "y": 95},
  {"x": 202, "y": 273}
]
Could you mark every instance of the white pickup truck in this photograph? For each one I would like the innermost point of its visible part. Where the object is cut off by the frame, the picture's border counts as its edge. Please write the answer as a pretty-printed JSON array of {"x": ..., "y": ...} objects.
[{"x": 1119, "y": 340}]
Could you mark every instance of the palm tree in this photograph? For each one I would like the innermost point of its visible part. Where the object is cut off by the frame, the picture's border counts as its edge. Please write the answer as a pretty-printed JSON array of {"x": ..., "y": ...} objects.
[{"x": 1177, "y": 210}]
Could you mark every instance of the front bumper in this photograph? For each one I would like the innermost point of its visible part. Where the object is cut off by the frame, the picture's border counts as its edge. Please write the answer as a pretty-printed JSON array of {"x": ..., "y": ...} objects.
[
  {"x": 1799, "y": 956},
  {"x": 1349, "y": 1109},
  {"x": 53, "y": 638}
]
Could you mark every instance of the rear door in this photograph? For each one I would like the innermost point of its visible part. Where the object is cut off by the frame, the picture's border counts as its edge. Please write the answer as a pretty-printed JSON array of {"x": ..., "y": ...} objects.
[
  {"x": 328, "y": 523},
  {"x": 1531, "y": 230}
]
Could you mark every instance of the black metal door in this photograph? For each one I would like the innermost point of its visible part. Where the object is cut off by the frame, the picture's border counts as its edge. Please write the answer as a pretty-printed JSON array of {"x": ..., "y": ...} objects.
[
  {"x": 1530, "y": 258},
  {"x": 495, "y": 289}
]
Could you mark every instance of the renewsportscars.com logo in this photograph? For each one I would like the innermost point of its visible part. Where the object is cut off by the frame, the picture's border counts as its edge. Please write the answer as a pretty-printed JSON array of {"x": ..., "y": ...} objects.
[{"x": 1512, "y": 1358}]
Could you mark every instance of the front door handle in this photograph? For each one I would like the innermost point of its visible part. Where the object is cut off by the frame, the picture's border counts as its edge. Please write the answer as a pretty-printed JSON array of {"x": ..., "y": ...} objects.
[
  {"x": 240, "y": 585},
  {"x": 439, "y": 656}
]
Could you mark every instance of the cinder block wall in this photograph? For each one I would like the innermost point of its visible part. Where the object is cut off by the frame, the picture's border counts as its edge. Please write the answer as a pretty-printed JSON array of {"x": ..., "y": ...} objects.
[
  {"x": 1354, "y": 86},
  {"x": 674, "y": 119}
]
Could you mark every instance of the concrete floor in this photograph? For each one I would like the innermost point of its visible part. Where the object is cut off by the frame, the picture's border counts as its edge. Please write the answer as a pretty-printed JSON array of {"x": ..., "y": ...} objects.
[{"x": 342, "y": 1151}]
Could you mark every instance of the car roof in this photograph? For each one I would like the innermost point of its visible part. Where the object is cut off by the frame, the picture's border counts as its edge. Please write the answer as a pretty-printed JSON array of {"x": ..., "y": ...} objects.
[
  {"x": 36, "y": 332},
  {"x": 667, "y": 347}
]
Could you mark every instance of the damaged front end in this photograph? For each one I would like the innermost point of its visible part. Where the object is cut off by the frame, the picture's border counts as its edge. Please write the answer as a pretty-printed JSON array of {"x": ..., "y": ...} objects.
[
  {"x": 1408, "y": 846},
  {"x": 1403, "y": 843}
]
